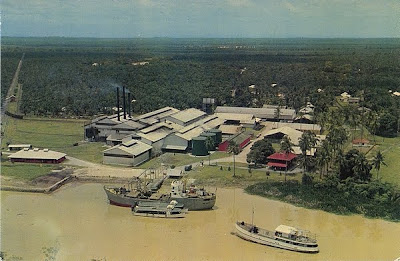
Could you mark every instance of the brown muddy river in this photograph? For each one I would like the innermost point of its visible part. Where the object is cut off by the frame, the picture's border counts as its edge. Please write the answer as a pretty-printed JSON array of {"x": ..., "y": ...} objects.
[{"x": 78, "y": 222}]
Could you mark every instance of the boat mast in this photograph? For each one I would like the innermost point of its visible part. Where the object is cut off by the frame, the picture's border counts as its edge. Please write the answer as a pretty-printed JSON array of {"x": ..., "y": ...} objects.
[{"x": 252, "y": 217}]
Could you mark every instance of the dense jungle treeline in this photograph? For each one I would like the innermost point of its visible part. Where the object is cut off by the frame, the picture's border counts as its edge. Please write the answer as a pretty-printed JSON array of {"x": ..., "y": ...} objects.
[{"x": 75, "y": 76}]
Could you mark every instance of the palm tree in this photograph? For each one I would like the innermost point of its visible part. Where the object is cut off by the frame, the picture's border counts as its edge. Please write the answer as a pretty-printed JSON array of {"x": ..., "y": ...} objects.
[
  {"x": 354, "y": 120},
  {"x": 209, "y": 145},
  {"x": 336, "y": 137},
  {"x": 286, "y": 147},
  {"x": 323, "y": 157},
  {"x": 307, "y": 141},
  {"x": 233, "y": 148},
  {"x": 377, "y": 161},
  {"x": 362, "y": 167},
  {"x": 278, "y": 114}
]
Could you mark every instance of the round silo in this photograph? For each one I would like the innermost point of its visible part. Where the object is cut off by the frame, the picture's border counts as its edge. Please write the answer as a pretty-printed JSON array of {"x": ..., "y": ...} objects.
[
  {"x": 212, "y": 136},
  {"x": 218, "y": 134},
  {"x": 199, "y": 146}
]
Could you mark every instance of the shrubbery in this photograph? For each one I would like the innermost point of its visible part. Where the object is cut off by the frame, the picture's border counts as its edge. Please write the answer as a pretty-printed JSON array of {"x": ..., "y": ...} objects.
[{"x": 374, "y": 199}]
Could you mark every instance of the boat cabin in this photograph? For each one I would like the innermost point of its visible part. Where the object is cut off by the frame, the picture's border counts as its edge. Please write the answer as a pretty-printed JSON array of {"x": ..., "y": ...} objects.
[{"x": 286, "y": 232}]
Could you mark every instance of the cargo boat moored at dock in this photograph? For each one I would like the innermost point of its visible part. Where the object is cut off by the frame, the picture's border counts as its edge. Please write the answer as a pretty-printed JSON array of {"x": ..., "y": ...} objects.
[{"x": 193, "y": 198}]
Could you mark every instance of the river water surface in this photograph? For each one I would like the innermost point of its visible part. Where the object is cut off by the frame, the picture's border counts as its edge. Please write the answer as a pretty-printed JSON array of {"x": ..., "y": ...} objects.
[{"x": 78, "y": 221}]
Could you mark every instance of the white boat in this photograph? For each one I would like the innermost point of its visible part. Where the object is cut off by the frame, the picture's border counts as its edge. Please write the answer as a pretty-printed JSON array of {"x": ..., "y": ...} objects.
[
  {"x": 160, "y": 210},
  {"x": 284, "y": 237}
]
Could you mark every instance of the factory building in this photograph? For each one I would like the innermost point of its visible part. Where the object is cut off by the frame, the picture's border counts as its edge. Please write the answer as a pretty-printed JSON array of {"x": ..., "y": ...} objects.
[
  {"x": 156, "y": 116},
  {"x": 182, "y": 139},
  {"x": 264, "y": 114},
  {"x": 187, "y": 117},
  {"x": 130, "y": 153}
]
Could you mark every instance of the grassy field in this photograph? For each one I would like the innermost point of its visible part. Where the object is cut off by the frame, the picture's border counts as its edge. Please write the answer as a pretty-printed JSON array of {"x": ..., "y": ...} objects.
[
  {"x": 90, "y": 151},
  {"x": 24, "y": 171},
  {"x": 179, "y": 159},
  {"x": 42, "y": 132},
  {"x": 390, "y": 148},
  {"x": 55, "y": 134},
  {"x": 214, "y": 176}
]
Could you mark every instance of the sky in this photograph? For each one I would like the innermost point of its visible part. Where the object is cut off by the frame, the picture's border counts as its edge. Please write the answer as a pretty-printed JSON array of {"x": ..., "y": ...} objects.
[{"x": 201, "y": 18}]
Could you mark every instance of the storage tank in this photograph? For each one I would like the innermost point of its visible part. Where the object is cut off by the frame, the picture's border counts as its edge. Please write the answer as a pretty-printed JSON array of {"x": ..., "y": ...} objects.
[
  {"x": 218, "y": 134},
  {"x": 199, "y": 146},
  {"x": 212, "y": 136}
]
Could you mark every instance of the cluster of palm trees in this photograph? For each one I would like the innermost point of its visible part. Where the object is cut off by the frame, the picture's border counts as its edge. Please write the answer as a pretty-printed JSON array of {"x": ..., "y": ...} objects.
[{"x": 330, "y": 155}]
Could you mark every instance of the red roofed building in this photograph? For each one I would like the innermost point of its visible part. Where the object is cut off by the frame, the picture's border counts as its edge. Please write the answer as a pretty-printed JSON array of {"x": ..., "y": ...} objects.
[{"x": 281, "y": 160}]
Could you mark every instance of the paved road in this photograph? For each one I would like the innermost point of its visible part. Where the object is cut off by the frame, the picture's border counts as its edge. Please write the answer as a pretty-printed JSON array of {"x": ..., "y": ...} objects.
[{"x": 9, "y": 93}]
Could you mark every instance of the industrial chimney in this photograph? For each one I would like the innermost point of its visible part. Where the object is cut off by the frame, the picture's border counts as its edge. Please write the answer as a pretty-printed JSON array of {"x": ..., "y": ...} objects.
[
  {"x": 129, "y": 104},
  {"x": 118, "y": 104},
  {"x": 123, "y": 97}
]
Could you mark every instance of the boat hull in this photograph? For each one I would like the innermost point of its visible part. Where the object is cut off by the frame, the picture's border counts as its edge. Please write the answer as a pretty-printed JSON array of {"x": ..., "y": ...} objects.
[
  {"x": 260, "y": 239},
  {"x": 124, "y": 200}
]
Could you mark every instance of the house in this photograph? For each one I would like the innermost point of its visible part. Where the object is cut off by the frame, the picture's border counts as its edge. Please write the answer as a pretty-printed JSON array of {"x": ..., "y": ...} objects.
[
  {"x": 37, "y": 156},
  {"x": 344, "y": 96},
  {"x": 130, "y": 153},
  {"x": 281, "y": 160},
  {"x": 11, "y": 98}
]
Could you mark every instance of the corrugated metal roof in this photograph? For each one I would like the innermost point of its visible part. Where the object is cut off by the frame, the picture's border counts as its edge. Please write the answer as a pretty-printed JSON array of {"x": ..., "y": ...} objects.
[
  {"x": 242, "y": 118},
  {"x": 133, "y": 147},
  {"x": 116, "y": 136},
  {"x": 19, "y": 146},
  {"x": 37, "y": 154},
  {"x": 209, "y": 122},
  {"x": 188, "y": 115},
  {"x": 266, "y": 113},
  {"x": 297, "y": 126},
  {"x": 190, "y": 134},
  {"x": 230, "y": 129},
  {"x": 293, "y": 134},
  {"x": 128, "y": 125},
  {"x": 282, "y": 156},
  {"x": 163, "y": 112},
  {"x": 154, "y": 136}
]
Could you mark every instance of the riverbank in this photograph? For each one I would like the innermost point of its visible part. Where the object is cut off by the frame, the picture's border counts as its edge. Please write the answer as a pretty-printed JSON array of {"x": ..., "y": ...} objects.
[{"x": 372, "y": 200}]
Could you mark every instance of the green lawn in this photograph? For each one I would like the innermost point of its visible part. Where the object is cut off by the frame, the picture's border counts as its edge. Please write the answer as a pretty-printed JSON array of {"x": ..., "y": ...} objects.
[
  {"x": 90, "y": 151},
  {"x": 54, "y": 134},
  {"x": 390, "y": 148},
  {"x": 180, "y": 159},
  {"x": 213, "y": 175},
  {"x": 24, "y": 171}
]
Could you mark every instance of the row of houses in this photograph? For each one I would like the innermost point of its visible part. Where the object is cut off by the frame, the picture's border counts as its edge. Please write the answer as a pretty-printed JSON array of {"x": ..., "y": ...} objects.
[{"x": 135, "y": 139}]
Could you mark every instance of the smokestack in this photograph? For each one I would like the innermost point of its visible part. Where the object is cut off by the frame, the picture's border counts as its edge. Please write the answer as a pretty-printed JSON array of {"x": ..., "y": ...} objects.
[
  {"x": 129, "y": 104},
  {"x": 123, "y": 97},
  {"x": 118, "y": 104}
]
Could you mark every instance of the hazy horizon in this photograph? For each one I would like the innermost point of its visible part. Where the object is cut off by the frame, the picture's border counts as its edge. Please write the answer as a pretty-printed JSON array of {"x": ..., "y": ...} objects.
[{"x": 201, "y": 19}]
